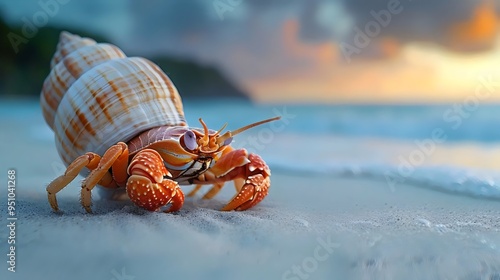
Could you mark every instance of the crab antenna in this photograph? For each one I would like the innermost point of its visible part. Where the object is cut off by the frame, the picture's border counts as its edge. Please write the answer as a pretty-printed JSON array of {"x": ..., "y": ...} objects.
[
  {"x": 222, "y": 128},
  {"x": 205, "y": 128},
  {"x": 230, "y": 134}
]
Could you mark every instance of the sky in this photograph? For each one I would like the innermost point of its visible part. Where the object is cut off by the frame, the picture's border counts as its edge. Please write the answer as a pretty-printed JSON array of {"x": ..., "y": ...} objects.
[{"x": 334, "y": 51}]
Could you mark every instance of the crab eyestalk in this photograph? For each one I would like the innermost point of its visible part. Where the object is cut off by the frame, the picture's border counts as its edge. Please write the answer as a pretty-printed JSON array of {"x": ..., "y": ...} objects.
[
  {"x": 204, "y": 140},
  {"x": 207, "y": 142},
  {"x": 229, "y": 134}
]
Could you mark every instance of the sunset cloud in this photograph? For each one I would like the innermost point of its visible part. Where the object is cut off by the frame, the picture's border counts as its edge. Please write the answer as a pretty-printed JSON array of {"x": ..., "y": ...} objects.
[
  {"x": 393, "y": 68},
  {"x": 421, "y": 72},
  {"x": 319, "y": 55},
  {"x": 291, "y": 50},
  {"x": 478, "y": 33}
]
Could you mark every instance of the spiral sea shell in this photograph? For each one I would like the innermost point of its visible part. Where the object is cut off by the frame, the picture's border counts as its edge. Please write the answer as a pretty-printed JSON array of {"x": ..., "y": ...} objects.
[{"x": 96, "y": 96}]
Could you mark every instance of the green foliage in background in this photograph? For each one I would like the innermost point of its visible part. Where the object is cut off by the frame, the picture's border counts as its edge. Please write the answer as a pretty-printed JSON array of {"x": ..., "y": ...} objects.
[{"x": 23, "y": 73}]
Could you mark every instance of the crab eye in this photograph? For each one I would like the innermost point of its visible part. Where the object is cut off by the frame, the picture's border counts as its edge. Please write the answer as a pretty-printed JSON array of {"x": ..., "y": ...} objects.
[
  {"x": 190, "y": 140},
  {"x": 228, "y": 141}
]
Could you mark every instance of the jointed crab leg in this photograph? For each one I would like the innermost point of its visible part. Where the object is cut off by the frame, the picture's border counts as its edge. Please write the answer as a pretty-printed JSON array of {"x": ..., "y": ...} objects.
[
  {"x": 99, "y": 174},
  {"x": 146, "y": 186},
  {"x": 216, "y": 188},
  {"x": 251, "y": 176},
  {"x": 210, "y": 194},
  {"x": 255, "y": 187},
  {"x": 89, "y": 160},
  {"x": 108, "y": 160},
  {"x": 195, "y": 190},
  {"x": 213, "y": 191}
]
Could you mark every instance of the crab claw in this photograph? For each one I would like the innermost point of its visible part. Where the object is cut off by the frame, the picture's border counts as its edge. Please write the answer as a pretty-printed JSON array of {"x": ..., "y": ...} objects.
[
  {"x": 256, "y": 176},
  {"x": 147, "y": 186}
]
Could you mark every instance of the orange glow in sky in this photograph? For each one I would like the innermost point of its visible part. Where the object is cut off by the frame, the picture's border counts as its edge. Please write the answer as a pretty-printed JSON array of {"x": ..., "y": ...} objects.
[
  {"x": 477, "y": 33},
  {"x": 399, "y": 72}
]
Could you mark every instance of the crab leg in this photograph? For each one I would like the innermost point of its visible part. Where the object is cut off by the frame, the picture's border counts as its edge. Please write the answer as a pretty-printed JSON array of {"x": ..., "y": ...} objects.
[
  {"x": 210, "y": 194},
  {"x": 251, "y": 176},
  {"x": 209, "y": 177},
  {"x": 113, "y": 157},
  {"x": 195, "y": 190},
  {"x": 213, "y": 191},
  {"x": 89, "y": 160},
  {"x": 255, "y": 187},
  {"x": 92, "y": 161}
]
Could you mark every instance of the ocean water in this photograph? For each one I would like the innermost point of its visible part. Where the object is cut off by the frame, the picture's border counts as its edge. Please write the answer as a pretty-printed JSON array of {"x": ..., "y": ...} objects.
[{"x": 451, "y": 148}]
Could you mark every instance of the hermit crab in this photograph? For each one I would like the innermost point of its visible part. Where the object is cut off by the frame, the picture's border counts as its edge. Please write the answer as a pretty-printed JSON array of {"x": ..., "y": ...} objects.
[{"x": 119, "y": 122}]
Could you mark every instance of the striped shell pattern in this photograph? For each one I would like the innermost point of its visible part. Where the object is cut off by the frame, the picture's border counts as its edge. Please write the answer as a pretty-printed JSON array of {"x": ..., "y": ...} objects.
[{"x": 96, "y": 96}]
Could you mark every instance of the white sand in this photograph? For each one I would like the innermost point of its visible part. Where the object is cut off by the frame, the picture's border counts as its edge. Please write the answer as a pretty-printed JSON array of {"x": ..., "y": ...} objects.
[{"x": 378, "y": 234}]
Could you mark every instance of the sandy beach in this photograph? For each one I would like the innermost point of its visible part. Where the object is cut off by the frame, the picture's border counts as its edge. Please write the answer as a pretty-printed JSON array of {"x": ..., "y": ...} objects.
[{"x": 361, "y": 233}]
